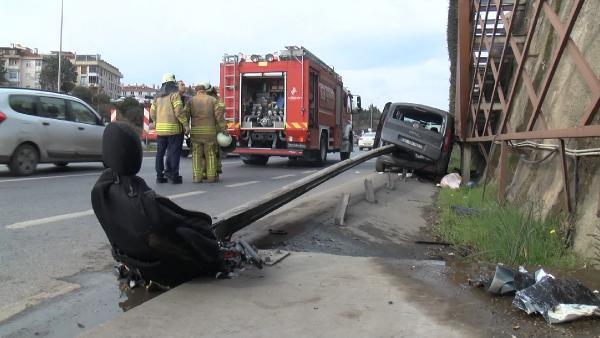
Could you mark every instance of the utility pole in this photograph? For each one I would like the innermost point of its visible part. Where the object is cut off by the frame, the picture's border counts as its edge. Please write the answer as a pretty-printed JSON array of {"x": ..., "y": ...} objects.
[
  {"x": 371, "y": 111},
  {"x": 60, "y": 46}
]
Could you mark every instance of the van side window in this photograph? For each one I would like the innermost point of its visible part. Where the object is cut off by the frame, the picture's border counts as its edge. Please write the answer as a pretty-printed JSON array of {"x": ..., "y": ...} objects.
[
  {"x": 81, "y": 114},
  {"x": 24, "y": 104},
  {"x": 53, "y": 108}
]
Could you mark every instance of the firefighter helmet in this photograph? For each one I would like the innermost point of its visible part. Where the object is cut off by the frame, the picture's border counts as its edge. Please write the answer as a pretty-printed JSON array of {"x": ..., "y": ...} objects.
[
  {"x": 203, "y": 86},
  {"x": 168, "y": 77},
  {"x": 224, "y": 140}
]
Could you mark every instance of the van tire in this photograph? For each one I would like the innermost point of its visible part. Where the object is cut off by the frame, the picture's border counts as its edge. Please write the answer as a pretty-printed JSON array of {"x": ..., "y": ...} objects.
[
  {"x": 24, "y": 160},
  {"x": 379, "y": 166}
]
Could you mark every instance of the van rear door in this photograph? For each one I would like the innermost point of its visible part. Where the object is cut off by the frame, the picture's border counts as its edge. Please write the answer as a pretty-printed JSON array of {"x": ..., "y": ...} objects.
[{"x": 416, "y": 128}]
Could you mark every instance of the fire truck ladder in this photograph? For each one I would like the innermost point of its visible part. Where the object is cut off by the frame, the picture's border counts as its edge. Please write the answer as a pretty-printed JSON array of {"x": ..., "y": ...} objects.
[{"x": 230, "y": 75}]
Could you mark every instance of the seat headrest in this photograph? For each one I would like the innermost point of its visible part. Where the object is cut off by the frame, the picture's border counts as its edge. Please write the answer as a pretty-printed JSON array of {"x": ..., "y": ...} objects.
[{"x": 122, "y": 149}]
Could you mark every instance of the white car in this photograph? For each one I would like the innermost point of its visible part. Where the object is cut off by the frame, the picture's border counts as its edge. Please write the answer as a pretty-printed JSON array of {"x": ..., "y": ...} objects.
[
  {"x": 366, "y": 141},
  {"x": 46, "y": 127}
]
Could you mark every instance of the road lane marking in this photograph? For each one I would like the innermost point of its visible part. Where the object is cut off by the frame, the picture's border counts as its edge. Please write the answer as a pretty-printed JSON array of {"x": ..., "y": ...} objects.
[
  {"x": 309, "y": 171},
  {"x": 47, "y": 177},
  {"x": 241, "y": 184},
  {"x": 283, "y": 176},
  {"x": 64, "y": 217},
  {"x": 57, "y": 218},
  {"x": 12, "y": 309},
  {"x": 186, "y": 194}
]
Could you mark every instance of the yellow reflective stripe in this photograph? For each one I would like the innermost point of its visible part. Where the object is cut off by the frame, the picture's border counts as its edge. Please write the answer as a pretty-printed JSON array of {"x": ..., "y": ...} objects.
[
  {"x": 176, "y": 103},
  {"x": 164, "y": 126},
  {"x": 203, "y": 129}
]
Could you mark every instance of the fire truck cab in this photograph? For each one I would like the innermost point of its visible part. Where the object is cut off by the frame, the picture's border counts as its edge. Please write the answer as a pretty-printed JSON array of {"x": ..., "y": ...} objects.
[{"x": 288, "y": 104}]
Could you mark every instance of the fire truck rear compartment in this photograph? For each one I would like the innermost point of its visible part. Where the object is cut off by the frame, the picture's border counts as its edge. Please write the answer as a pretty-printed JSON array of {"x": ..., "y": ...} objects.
[
  {"x": 263, "y": 139},
  {"x": 263, "y": 102}
]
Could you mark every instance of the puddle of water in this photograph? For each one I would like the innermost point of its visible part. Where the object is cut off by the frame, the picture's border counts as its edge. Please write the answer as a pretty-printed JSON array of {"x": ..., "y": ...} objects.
[{"x": 99, "y": 299}]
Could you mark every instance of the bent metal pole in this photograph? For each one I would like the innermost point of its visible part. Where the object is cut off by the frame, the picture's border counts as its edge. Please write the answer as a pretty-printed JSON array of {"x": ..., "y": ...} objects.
[{"x": 236, "y": 219}]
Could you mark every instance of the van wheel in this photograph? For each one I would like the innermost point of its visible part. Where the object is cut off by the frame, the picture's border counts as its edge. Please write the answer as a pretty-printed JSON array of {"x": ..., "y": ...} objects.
[
  {"x": 322, "y": 159},
  {"x": 379, "y": 166},
  {"x": 256, "y": 160},
  {"x": 61, "y": 164},
  {"x": 24, "y": 160}
]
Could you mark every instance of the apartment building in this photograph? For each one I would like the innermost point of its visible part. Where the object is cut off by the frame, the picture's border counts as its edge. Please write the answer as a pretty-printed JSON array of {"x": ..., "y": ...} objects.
[
  {"x": 93, "y": 71},
  {"x": 141, "y": 92},
  {"x": 23, "y": 66}
]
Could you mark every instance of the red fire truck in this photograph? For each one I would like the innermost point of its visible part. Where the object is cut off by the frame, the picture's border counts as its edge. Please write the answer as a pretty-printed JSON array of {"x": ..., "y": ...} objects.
[{"x": 288, "y": 104}]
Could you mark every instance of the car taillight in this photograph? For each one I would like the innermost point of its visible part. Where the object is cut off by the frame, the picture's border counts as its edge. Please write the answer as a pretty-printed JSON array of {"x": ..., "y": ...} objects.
[
  {"x": 447, "y": 140},
  {"x": 2, "y": 117}
]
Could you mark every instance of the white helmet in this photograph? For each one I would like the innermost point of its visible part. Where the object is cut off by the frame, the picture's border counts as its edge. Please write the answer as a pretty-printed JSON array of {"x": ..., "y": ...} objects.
[
  {"x": 223, "y": 140},
  {"x": 168, "y": 77}
]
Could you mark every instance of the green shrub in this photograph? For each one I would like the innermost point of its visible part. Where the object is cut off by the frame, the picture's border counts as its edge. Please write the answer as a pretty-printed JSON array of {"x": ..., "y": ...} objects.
[{"x": 511, "y": 234}]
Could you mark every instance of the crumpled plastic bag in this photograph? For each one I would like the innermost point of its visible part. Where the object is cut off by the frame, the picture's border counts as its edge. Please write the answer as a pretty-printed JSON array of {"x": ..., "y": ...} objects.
[
  {"x": 451, "y": 181},
  {"x": 558, "y": 300}
]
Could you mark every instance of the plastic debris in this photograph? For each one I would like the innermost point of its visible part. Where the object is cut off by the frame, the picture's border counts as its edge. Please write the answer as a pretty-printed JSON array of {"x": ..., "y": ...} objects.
[
  {"x": 451, "y": 181},
  {"x": 568, "y": 312},
  {"x": 503, "y": 281},
  {"x": 558, "y": 300},
  {"x": 464, "y": 211}
]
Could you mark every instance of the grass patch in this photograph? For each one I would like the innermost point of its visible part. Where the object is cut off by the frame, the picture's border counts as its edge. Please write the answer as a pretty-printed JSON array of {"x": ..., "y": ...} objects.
[
  {"x": 509, "y": 234},
  {"x": 454, "y": 164}
]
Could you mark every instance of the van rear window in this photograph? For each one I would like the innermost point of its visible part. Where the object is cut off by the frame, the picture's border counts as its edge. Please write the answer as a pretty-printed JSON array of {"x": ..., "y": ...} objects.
[
  {"x": 426, "y": 120},
  {"x": 24, "y": 104}
]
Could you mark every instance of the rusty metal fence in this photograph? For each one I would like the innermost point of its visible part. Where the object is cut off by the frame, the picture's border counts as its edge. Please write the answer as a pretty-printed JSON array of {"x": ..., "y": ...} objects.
[{"x": 491, "y": 71}]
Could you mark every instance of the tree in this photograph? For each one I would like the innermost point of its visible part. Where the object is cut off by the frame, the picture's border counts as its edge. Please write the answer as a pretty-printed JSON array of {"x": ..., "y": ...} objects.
[
  {"x": 132, "y": 111},
  {"x": 3, "y": 80},
  {"x": 49, "y": 74},
  {"x": 362, "y": 119},
  {"x": 83, "y": 93}
]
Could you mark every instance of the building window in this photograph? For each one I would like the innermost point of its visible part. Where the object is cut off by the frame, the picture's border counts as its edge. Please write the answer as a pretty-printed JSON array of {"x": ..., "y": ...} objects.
[
  {"x": 12, "y": 62},
  {"x": 93, "y": 79},
  {"x": 28, "y": 64},
  {"x": 38, "y": 63},
  {"x": 83, "y": 70},
  {"x": 93, "y": 69},
  {"x": 13, "y": 75}
]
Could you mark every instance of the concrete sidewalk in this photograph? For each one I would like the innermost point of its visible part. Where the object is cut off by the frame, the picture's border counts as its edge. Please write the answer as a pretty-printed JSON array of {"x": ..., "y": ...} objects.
[
  {"x": 305, "y": 295},
  {"x": 317, "y": 294}
]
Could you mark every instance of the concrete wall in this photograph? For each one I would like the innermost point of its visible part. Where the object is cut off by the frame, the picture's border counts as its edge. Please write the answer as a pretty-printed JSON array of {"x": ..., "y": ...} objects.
[{"x": 565, "y": 103}]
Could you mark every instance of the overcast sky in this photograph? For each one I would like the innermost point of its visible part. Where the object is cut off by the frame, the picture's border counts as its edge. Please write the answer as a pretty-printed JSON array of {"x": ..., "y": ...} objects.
[{"x": 385, "y": 50}]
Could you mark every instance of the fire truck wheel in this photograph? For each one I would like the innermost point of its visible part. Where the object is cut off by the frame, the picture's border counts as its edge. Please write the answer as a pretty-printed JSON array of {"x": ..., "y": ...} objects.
[
  {"x": 344, "y": 156},
  {"x": 322, "y": 159},
  {"x": 256, "y": 159}
]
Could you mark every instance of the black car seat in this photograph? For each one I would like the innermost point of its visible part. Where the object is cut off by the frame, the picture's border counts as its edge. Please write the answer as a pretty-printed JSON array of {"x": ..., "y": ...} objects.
[{"x": 149, "y": 233}]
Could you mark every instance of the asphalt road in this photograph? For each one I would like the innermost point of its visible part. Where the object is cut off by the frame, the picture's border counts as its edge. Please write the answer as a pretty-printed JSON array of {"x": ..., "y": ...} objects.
[{"x": 52, "y": 247}]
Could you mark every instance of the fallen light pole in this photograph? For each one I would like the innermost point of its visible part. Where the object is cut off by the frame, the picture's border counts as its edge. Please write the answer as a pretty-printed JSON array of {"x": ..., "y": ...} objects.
[{"x": 236, "y": 219}]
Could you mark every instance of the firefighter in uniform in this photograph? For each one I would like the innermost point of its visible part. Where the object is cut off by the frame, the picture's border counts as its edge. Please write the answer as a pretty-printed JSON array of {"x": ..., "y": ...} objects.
[
  {"x": 221, "y": 110},
  {"x": 171, "y": 123},
  {"x": 206, "y": 121}
]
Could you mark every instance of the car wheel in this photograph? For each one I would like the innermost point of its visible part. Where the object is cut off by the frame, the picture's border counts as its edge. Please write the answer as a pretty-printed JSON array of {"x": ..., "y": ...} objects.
[
  {"x": 379, "y": 166},
  {"x": 256, "y": 160},
  {"x": 322, "y": 159},
  {"x": 24, "y": 160},
  {"x": 61, "y": 164}
]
